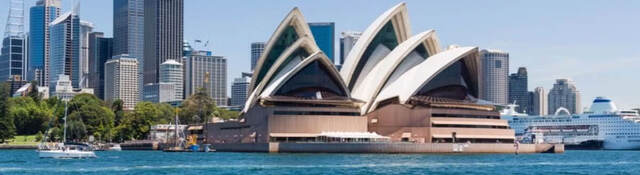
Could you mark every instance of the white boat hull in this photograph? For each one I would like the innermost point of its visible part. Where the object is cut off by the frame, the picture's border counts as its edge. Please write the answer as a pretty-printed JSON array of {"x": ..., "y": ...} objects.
[{"x": 66, "y": 154}]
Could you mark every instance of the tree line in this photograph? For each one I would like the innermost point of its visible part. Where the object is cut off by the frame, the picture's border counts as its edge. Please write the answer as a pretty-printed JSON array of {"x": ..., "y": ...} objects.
[{"x": 90, "y": 116}]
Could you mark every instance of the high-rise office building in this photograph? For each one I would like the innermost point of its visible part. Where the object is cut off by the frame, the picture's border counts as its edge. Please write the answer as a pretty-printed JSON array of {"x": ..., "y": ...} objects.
[
  {"x": 172, "y": 71},
  {"x": 159, "y": 92},
  {"x": 256, "y": 51},
  {"x": 324, "y": 34},
  {"x": 128, "y": 32},
  {"x": 65, "y": 49},
  {"x": 121, "y": 80},
  {"x": 347, "y": 42},
  {"x": 538, "y": 102},
  {"x": 43, "y": 13},
  {"x": 163, "y": 38},
  {"x": 85, "y": 28},
  {"x": 100, "y": 50},
  {"x": 495, "y": 72},
  {"x": 208, "y": 72},
  {"x": 518, "y": 92},
  {"x": 239, "y": 90},
  {"x": 12, "y": 56},
  {"x": 564, "y": 94}
]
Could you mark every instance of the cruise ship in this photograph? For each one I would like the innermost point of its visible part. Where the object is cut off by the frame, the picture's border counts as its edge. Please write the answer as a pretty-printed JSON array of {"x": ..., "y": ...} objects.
[{"x": 603, "y": 126}]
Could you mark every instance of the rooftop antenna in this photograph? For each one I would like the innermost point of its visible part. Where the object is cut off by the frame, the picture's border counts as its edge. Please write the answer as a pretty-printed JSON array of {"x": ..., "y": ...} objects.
[{"x": 15, "y": 20}]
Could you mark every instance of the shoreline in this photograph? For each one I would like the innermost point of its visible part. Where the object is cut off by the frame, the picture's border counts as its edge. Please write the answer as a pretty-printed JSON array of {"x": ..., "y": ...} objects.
[{"x": 7, "y": 146}]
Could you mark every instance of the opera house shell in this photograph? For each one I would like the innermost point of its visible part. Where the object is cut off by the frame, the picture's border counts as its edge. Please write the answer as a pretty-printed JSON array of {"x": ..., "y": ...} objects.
[{"x": 393, "y": 84}]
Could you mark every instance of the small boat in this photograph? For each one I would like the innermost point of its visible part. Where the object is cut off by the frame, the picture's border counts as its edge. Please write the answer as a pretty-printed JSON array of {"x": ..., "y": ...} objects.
[
  {"x": 115, "y": 147},
  {"x": 64, "y": 150},
  {"x": 67, "y": 151}
]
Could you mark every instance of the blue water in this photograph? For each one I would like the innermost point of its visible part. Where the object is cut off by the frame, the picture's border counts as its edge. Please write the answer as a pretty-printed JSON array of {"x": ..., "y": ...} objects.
[{"x": 155, "y": 162}]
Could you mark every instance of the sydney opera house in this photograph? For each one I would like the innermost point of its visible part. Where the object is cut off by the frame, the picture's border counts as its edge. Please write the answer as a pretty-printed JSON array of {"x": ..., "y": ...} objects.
[{"x": 394, "y": 87}]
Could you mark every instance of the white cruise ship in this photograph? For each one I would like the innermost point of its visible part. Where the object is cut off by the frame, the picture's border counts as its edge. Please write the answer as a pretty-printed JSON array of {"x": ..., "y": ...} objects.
[{"x": 603, "y": 126}]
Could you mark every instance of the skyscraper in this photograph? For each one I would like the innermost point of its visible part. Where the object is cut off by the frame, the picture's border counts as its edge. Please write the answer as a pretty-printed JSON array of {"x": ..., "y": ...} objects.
[
  {"x": 163, "y": 38},
  {"x": 495, "y": 72},
  {"x": 256, "y": 51},
  {"x": 539, "y": 102},
  {"x": 239, "y": 91},
  {"x": 171, "y": 71},
  {"x": 100, "y": 50},
  {"x": 208, "y": 72},
  {"x": 346, "y": 43},
  {"x": 564, "y": 94},
  {"x": 12, "y": 54},
  {"x": 121, "y": 78},
  {"x": 128, "y": 32},
  {"x": 43, "y": 13},
  {"x": 65, "y": 49},
  {"x": 11, "y": 57},
  {"x": 85, "y": 28},
  {"x": 518, "y": 92},
  {"x": 324, "y": 34}
]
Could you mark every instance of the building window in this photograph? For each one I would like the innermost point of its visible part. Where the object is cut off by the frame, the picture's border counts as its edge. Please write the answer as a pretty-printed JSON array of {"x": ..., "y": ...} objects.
[{"x": 498, "y": 64}]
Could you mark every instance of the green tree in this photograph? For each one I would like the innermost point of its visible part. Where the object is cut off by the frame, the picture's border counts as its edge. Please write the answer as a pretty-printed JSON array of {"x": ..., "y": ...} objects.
[
  {"x": 136, "y": 124},
  {"x": 227, "y": 114},
  {"x": 118, "y": 109},
  {"x": 199, "y": 104},
  {"x": 166, "y": 113},
  {"x": 84, "y": 99},
  {"x": 76, "y": 129},
  {"x": 29, "y": 116},
  {"x": 98, "y": 120},
  {"x": 7, "y": 128}
]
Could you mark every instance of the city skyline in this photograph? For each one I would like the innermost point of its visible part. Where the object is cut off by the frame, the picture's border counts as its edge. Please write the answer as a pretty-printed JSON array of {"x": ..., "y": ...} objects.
[{"x": 557, "y": 44}]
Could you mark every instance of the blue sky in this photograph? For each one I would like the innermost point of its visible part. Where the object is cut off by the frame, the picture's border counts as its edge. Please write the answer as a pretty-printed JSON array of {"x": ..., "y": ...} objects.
[{"x": 594, "y": 43}]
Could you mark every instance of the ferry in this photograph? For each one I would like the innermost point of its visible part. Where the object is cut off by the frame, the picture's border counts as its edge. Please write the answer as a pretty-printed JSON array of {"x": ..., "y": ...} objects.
[{"x": 603, "y": 126}]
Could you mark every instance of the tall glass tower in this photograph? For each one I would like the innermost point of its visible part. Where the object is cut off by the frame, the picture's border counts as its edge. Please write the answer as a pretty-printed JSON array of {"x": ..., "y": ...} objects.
[
  {"x": 12, "y": 55},
  {"x": 324, "y": 34},
  {"x": 163, "y": 38},
  {"x": 256, "y": 51},
  {"x": 43, "y": 13},
  {"x": 65, "y": 49},
  {"x": 128, "y": 32},
  {"x": 518, "y": 91}
]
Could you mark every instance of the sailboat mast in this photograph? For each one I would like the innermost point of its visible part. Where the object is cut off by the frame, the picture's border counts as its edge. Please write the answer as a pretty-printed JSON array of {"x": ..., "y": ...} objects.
[
  {"x": 64, "y": 137},
  {"x": 176, "y": 130}
]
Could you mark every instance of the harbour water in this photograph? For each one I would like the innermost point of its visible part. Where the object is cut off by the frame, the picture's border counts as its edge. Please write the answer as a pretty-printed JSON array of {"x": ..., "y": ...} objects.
[{"x": 155, "y": 162}]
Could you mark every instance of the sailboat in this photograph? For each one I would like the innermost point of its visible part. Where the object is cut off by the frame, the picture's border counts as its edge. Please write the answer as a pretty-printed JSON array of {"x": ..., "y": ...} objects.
[
  {"x": 178, "y": 141},
  {"x": 64, "y": 150}
]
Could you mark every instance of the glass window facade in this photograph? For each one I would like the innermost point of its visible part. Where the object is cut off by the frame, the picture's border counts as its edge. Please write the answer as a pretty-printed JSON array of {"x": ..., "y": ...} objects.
[
  {"x": 314, "y": 81},
  {"x": 324, "y": 35}
]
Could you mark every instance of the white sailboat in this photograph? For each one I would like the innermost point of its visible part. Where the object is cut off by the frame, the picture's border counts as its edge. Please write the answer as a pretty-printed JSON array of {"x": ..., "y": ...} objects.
[{"x": 64, "y": 150}]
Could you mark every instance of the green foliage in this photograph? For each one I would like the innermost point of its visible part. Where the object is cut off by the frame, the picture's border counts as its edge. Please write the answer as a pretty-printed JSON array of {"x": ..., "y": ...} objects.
[
  {"x": 39, "y": 136},
  {"x": 7, "y": 128},
  {"x": 98, "y": 120},
  {"x": 197, "y": 108},
  {"x": 136, "y": 124},
  {"x": 76, "y": 129},
  {"x": 227, "y": 114},
  {"x": 29, "y": 116},
  {"x": 118, "y": 109},
  {"x": 83, "y": 99}
]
